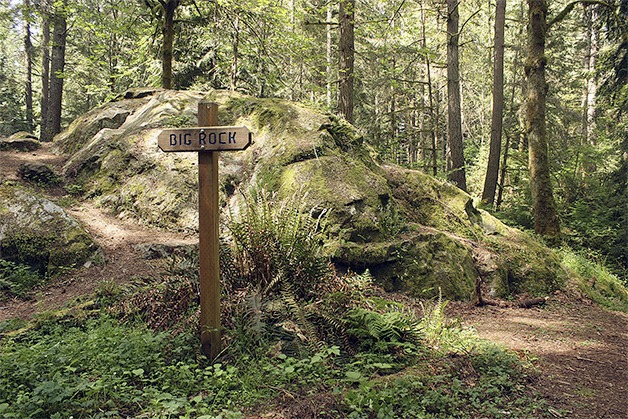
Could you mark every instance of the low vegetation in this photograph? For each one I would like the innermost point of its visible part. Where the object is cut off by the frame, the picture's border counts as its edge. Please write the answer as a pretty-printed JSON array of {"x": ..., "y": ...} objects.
[{"x": 300, "y": 339}]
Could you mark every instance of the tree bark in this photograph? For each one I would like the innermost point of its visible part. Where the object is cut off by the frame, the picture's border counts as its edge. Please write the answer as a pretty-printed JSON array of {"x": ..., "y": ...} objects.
[
  {"x": 169, "y": 8},
  {"x": 28, "y": 52},
  {"x": 57, "y": 65},
  {"x": 433, "y": 114},
  {"x": 492, "y": 169},
  {"x": 45, "y": 67},
  {"x": 546, "y": 221},
  {"x": 236, "y": 44},
  {"x": 502, "y": 174},
  {"x": 346, "y": 51},
  {"x": 456, "y": 167},
  {"x": 590, "y": 95},
  {"x": 328, "y": 51}
]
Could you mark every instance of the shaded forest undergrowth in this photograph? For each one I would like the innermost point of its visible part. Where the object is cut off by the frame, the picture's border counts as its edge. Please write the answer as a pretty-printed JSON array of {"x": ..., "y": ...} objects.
[{"x": 120, "y": 339}]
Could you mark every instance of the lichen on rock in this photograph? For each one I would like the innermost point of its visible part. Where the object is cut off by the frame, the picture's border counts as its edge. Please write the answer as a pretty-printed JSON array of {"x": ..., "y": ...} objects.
[
  {"x": 20, "y": 141},
  {"x": 36, "y": 232},
  {"x": 413, "y": 232}
]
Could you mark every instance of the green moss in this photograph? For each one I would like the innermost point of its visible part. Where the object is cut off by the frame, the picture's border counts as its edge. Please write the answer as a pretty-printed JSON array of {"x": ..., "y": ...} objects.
[
  {"x": 438, "y": 264},
  {"x": 596, "y": 281},
  {"x": 28, "y": 247},
  {"x": 182, "y": 120},
  {"x": 271, "y": 114},
  {"x": 422, "y": 265},
  {"x": 413, "y": 230},
  {"x": 39, "y": 234},
  {"x": 531, "y": 267}
]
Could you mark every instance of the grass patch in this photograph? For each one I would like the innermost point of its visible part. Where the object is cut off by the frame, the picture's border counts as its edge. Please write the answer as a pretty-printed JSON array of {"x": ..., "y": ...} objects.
[{"x": 596, "y": 281}]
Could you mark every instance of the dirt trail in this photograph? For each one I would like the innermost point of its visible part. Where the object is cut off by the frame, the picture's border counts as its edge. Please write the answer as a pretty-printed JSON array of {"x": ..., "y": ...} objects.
[
  {"x": 117, "y": 239},
  {"x": 579, "y": 349}
]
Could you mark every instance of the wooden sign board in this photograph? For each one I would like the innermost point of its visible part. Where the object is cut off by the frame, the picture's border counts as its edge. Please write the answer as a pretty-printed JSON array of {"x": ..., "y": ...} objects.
[{"x": 204, "y": 139}]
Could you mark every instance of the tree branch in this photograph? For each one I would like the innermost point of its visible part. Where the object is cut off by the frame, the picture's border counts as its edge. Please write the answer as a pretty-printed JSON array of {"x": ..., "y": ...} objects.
[{"x": 563, "y": 14}]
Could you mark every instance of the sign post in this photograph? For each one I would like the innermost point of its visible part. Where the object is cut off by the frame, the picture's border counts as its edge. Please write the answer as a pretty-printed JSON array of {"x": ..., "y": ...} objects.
[{"x": 207, "y": 139}]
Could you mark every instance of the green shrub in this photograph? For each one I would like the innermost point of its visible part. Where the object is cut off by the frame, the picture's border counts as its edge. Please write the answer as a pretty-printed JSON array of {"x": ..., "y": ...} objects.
[
  {"x": 277, "y": 245},
  {"x": 17, "y": 279}
]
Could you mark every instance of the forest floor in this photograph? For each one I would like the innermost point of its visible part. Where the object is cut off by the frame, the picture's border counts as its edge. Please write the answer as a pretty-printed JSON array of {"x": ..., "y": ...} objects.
[{"x": 579, "y": 350}]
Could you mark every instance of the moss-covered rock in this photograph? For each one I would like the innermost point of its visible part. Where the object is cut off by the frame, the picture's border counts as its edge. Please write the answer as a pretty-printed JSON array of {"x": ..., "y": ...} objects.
[
  {"x": 38, "y": 233},
  {"x": 20, "y": 141},
  {"x": 413, "y": 232}
]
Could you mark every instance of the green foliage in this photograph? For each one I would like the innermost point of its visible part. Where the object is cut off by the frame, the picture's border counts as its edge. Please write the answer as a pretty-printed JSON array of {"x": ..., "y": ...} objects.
[
  {"x": 277, "y": 245},
  {"x": 17, "y": 279},
  {"x": 79, "y": 371},
  {"x": 373, "y": 330},
  {"x": 597, "y": 216},
  {"x": 96, "y": 367},
  {"x": 170, "y": 304},
  {"x": 596, "y": 281}
]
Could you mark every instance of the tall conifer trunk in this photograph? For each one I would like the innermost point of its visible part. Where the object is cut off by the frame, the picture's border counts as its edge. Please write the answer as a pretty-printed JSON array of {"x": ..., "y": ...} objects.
[
  {"x": 328, "y": 51},
  {"x": 347, "y": 51},
  {"x": 169, "y": 8},
  {"x": 590, "y": 93},
  {"x": 57, "y": 66},
  {"x": 544, "y": 207},
  {"x": 492, "y": 169},
  {"x": 454, "y": 115},
  {"x": 28, "y": 52},
  {"x": 45, "y": 67}
]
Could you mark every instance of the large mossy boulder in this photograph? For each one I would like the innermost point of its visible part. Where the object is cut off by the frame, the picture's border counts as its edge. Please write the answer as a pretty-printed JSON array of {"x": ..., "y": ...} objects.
[
  {"x": 36, "y": 232},
  {"x": 413, "y": 232}
]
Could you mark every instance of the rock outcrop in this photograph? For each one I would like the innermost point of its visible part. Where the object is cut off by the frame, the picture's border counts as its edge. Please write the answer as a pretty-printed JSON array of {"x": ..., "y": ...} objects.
[
  {"x": 36, "y": 232},
  {"x": 413, "y": 232},
  {"x": 20, "y": 141}
]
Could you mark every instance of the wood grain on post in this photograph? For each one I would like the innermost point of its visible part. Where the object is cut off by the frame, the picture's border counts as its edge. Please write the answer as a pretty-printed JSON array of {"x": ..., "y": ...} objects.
[{"x": 208, "y": 216}]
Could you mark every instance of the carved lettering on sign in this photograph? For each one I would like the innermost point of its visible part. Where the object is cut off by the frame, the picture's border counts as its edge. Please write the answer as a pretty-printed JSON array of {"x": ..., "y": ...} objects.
[{"x": 204, "y": 139}]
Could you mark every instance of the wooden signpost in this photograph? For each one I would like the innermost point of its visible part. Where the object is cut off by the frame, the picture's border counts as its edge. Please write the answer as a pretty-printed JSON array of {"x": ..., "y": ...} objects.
[{"x": 207, "y": 139}]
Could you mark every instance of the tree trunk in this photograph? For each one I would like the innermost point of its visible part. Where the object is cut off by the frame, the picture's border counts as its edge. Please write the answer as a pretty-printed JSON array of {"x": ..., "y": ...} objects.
[
  {"x": 502, "y": 174},
  {"x": 433, "y": 114},
  {"x": 236, "y": 44},
  {"x": 492, "y": 169},
  {"x": 512, "y": 119},
  {"x": 328, "y": 52},
  {"x": 57, "y": 65},
  {"x": 346, "y": 51},
  {"x": 169, "y": 7},
  {"x": 590, "y": 95},
  {"x": 546, "y": 221},
  {"x": 45, "y": 67},
  {"x": 457, "y": 173},
  {"x": 28, "y": 52}
]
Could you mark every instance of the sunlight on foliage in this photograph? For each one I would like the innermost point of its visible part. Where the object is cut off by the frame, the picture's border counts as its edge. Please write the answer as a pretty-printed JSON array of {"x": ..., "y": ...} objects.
[{"x": 596, "y": 281}]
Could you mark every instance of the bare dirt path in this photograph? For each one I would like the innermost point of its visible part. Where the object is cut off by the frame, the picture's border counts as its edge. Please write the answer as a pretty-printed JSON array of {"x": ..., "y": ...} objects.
[{"x": 579, "y": 349}]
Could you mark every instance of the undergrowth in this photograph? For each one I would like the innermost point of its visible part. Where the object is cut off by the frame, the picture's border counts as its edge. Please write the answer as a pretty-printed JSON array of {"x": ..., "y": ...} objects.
[
  {"x": 300, "y": 340},
  {"x": 16, "y": 279},
  {"x": 596, "y": 281}
]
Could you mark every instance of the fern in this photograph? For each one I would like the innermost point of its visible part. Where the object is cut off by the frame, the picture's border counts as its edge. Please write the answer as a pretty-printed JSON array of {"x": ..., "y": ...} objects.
[{"x": 277, "y": 241}]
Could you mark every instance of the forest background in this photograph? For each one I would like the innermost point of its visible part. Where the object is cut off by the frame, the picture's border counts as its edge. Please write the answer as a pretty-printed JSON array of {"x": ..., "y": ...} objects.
[{"x": 481, "y": 93}]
